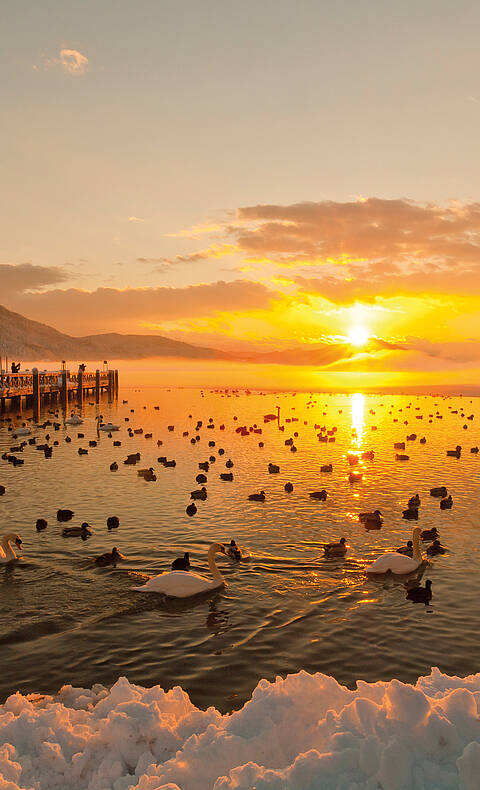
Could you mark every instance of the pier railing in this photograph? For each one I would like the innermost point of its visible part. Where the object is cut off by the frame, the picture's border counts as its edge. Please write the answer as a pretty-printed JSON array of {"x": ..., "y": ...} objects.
[
  {"x": 20, "y": 382},
  {"x": 36, "y": 385}
]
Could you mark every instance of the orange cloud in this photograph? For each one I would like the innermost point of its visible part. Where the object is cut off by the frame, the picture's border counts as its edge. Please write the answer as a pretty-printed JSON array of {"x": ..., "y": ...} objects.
[
  {"x": 365, "y": 231},
  {"x": 75, "y": 310},
  {"x": 22, "y": 277},
  {"x": 70, "y": 60},
  {"x": 214, "y": 252},
  {"x": 196, "y": 230}
]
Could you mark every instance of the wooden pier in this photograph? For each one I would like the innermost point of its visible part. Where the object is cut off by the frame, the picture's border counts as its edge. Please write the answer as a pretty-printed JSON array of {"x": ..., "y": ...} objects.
[{"x": 36, "y": 387}]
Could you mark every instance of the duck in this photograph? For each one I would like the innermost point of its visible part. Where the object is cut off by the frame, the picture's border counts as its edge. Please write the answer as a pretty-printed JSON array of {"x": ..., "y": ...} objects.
[
  {"x": 376, "y": 515},
  {"x": 288, "y": 488},
  {"x": 145, "y": 472},
  {"x": 84, "y": 531},
  {"x": 430, "y": 534},
  {"x": 2, "y": 490},
  {"x": 181, "y": 563},
  {"x": 436, "y": 548},
  {"x": 229, "y": 463},
  {"x": 65, "y": 515},
  {"x": 7, "y": 553},
  {"x": 199, "y": 494},
  {"x": 420, "y": 594},
  {"x": 114, "y": 467},
  {"x": 257, "y": 497},
  {"x": 320, "y": 495},
  {"x": 113, "y": 522},
  {"x": 326, "y": 468},
  {"x": 455, "y": 453},
  {"x": 191, "y": 509},
  {"x": 414, "y": 501},
  {"x": 335, "y": 549},
  {"x": 355, "y": 477},
  {"x": 41, "y": 524},
  {"x": 399, "y": 563},
  {"x": 233, "y": 551},
  {"x": 446, "y": 504},
  {"x": 226, "y": 476},
  {"x": 109, "y": 558},
  {"x": 201, "y": 479},
  {"x": 273, "y": 469},
  {"x": 439, "y": 491},
  {"x": 411, "y": 514},
  {"x": 132, "y": 459},
  {"x": 185, "y": 584},
  {"x": 407, "y": 550}
]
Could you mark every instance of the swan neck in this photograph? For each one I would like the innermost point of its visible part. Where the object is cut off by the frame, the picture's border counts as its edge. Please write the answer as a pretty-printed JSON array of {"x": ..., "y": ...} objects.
[
  {"x": 7, "y": 547},
  {"x": 417, "y": 553},
  {"x": 213, "y": 565}
]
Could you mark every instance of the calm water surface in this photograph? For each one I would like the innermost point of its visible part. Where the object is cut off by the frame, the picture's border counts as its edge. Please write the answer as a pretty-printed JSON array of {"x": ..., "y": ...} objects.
[{"x": 63, "y": 620}]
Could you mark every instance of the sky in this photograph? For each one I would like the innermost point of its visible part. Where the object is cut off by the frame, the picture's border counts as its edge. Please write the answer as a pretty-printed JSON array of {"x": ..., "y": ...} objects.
[{"x": 251, "y": 176}]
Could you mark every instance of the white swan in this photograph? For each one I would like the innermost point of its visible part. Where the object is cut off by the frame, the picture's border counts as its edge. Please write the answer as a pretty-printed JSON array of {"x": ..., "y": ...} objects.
[
  {"x": 7, "y": 554},
  {"x": 106, "y": 426},
  {"x": 399, "y": 563},
  {"x": 24, "y": 431},
  {"x": 183, "y": 584},
  {"x": 74, "y": 420}
]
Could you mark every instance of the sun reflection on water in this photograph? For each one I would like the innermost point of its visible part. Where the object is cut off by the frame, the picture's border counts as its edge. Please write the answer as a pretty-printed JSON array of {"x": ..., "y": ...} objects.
[{"x": 358, "y": 408}]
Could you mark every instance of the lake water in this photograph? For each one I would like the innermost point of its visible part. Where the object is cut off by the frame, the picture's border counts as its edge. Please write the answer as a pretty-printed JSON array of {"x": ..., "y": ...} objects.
[{"x": 63, "y": 620}]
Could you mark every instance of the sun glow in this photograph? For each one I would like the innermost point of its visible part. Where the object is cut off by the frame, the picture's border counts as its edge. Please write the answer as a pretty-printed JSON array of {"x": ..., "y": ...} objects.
[{"x": 357, "y": 336}]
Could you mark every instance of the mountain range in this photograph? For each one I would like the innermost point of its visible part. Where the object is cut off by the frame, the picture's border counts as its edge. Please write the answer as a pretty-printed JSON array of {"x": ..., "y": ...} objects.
[{"x": 26, "y": 340}]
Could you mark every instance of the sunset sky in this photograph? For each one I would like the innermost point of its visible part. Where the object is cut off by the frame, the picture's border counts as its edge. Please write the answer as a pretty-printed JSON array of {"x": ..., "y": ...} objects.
[{"x": 256, "y": 175}]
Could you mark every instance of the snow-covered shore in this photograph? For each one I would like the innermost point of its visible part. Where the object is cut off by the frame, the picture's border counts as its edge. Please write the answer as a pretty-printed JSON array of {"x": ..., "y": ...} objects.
[{"x": 305, "y": 732}]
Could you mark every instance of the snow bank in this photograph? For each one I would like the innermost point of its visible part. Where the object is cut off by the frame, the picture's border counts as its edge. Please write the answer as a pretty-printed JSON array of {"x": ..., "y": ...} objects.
[{"x": 305, "y": 732}]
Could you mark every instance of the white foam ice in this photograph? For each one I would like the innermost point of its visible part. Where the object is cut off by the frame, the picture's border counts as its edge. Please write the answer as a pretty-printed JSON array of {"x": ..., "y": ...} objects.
[{"x": 304, "y": 732}]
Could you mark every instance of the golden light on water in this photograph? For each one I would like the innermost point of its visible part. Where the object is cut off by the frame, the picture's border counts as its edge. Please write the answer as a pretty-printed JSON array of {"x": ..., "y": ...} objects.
[{"x": 358, "y": 407}]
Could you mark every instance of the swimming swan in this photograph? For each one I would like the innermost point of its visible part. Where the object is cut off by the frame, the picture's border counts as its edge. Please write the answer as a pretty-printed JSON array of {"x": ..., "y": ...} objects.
[
  {"x": 183, "y": 584},
  {"x": 399, "y": 563},
  {"x": 7, "y": 554},
  {"x": 74, "y": 420},
  {"x": 106, "y": 426}
]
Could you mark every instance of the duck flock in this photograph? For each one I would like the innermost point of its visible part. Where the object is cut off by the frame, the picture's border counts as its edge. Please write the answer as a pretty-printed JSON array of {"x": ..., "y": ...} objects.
[{"x": 181, "y": 581}]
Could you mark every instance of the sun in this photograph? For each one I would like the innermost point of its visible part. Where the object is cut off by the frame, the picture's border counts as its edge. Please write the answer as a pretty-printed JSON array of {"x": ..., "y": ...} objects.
[{"x": 357, "y": 336}]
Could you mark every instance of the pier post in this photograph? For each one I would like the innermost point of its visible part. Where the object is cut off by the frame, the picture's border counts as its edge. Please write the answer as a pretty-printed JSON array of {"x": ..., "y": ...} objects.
[
  {"x": 80, "y": 388},
  {"x": 36, "y": 395},
  {"x": 97, "y": 386},
  {"x": 116, "y": 383},
  {"x": 111, "y": 384},
  {"x": 64, "y": 389}
]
